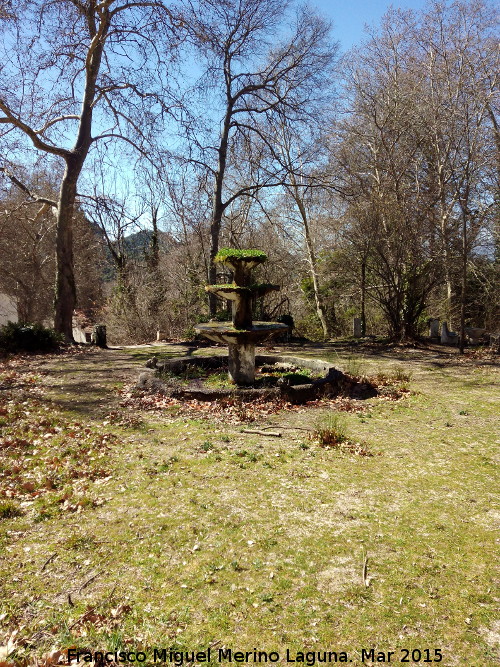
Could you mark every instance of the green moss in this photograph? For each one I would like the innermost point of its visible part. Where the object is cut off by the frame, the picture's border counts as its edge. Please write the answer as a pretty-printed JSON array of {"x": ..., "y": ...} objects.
[
  {"x": 224, "y": 286},
  {"x": 254, "y": 287},
  {"x": 9, "y": 509},
  {"x": 228, "y": 254}
]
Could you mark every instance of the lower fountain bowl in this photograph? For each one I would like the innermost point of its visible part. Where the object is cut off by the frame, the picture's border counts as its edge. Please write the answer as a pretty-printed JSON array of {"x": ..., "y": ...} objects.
[
  {"x": 329, "y": 380},
  {"x": 241, "y": 344},
  {"x": 223, "y": 332}
]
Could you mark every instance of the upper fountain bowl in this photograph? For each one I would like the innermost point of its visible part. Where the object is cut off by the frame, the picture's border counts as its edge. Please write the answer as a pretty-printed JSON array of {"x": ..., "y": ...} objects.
[{"x": 241, "y": 262}]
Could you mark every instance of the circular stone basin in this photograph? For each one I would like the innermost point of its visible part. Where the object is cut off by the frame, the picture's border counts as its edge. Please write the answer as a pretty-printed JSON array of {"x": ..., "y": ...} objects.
[
  {"x": 329, "y": 381},
  {"x": 223, "y": 332}
]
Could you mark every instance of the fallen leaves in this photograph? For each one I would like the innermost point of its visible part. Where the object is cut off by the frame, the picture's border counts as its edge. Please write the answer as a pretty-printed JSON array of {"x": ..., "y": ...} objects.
[
  {"x": 227, "y": 410},
  {"x": 44, "y": 455},
  {"x": 123, "y": 420},
  {"x": 8, "y": 648}
]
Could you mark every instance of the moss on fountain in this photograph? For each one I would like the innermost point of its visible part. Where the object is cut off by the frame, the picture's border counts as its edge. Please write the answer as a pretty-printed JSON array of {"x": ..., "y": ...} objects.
[
  {"x": 228, "y": 254},
  {"x": 232, "y": 291}
]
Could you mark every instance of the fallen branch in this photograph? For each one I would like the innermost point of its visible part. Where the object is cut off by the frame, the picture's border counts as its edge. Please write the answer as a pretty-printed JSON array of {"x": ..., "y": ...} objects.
[
  {"x": 89, "y": 581},
  {"x": 272, "y": 434},
  {"x": 49, "y": 560},
  {"x": 293, "y": 428}
]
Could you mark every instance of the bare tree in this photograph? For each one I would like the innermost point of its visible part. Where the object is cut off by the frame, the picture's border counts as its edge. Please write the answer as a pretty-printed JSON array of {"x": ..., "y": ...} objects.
[
  {"x": 77, "y": 72},
  {"x": 459, "y": 60},
  {"x": 248, "y": 75},
  {"x": 379, "y": 158},
  {"x": 415, "y": 150},
  {"x": 299, "y": 151}
]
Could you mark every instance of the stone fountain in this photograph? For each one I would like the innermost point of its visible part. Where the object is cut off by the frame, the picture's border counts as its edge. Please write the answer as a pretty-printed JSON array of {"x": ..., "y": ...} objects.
[
  {"x": 243, "y": 334},
  {"x": 283, "y": 377}
]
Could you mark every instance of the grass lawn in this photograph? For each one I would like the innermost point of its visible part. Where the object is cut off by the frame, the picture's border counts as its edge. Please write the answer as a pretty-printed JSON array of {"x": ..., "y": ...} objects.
[{"x": 126, "y": 528}]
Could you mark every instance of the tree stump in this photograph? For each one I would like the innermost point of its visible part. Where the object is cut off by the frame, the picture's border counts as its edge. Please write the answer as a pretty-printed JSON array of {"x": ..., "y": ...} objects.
[{"x": 99, "y": 336}]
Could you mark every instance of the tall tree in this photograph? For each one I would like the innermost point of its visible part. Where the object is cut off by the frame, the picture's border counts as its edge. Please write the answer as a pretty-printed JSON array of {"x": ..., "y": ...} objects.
[
  {"x": 299, "y": 152},
  {"x": 416, "y": 145},
  {"x": 248, "y": 75},
  {"x": 381, "y": 164},
  {"x": 458, "y": 56},
  {"x": 74, "y": 73}
]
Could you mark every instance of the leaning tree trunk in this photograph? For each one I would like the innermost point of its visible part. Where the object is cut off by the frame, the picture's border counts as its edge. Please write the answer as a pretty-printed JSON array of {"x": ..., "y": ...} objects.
[{"x": 320, "y": 310}]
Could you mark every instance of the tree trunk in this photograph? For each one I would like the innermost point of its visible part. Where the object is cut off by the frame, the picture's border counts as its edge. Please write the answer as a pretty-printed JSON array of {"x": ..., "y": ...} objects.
[
  {"x": 218, "y": 205},
  {"x": 363, "y": 297},
  {"x": 448, "y": 280},
  {"x": 65, "y": 296},
  {"x": 463, "y": 295},
  {"x": 153, "y": 257},
  {"x": 214, "y": 247},
  {"x": 320, "y": 311}
]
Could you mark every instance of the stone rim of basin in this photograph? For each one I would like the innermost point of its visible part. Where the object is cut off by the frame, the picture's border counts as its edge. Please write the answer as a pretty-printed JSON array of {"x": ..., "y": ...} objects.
[{"x": 232, "y": 292}]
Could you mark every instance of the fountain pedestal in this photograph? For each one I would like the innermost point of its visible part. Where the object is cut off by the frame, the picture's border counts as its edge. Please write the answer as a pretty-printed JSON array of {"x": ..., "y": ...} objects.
[
  {"x": 242, "y": 362},
  {"x": 242, "y": 335}
]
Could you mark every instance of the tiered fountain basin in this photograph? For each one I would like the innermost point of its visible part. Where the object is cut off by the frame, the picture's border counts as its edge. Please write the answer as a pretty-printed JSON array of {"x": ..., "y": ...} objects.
[
  {"x": 295, "y": 379},
  {"x": 242, "y": 335},
  {"x": 241, "y": 345}
]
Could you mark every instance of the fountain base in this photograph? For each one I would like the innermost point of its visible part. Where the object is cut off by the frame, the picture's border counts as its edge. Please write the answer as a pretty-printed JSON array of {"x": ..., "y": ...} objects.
[{"x": 327, "y": 380}]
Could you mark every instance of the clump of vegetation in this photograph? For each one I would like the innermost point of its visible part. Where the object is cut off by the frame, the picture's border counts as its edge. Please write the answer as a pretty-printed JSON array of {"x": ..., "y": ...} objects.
[
  {"x": 331, "y": 433},
  {"x": 354, "y": 366},
  {"x": 9, "y": 509},
  {"x": 397, "y": 376},
  {"x": 218, "y": 379},
  {"x": 207, "y": 446},
  {"x": 297, "y": 378},
  {"x": 227, "y": 254},
  {"x": 19, "y": 337}
]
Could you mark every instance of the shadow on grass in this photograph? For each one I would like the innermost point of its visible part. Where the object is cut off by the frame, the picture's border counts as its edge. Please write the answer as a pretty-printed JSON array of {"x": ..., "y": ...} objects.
[{"x": 435, "y": 355}]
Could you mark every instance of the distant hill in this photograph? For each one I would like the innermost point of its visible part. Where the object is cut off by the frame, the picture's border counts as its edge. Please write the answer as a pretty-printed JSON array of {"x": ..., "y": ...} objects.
[{"x": 136, "y": 246}]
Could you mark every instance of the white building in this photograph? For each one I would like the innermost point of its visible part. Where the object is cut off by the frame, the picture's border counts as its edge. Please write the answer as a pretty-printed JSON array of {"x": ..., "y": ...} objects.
[{"x": 8, "y": 309}]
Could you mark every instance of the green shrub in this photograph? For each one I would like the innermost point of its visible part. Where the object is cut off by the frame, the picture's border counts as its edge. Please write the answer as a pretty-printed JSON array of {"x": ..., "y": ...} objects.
[
  {"x": 287, "y": 319},
  {"x": 309, "y": 327},
  {"x": 19, "y": 337}
]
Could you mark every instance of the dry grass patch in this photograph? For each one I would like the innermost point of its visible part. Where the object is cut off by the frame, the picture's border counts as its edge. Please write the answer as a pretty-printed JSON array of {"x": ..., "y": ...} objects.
[{"x": 208, "y": 535}]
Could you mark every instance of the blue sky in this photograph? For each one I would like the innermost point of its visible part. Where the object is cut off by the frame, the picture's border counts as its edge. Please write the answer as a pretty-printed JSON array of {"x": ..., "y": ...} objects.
[{"x": 350, "y": 16}]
